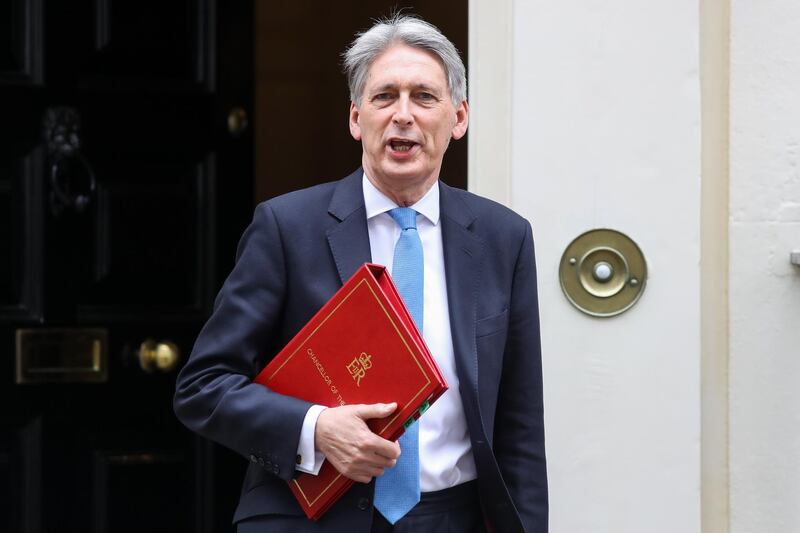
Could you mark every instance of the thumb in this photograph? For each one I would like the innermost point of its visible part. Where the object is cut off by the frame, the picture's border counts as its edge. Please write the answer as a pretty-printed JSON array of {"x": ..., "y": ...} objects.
[{"x": 376, "y": 410}]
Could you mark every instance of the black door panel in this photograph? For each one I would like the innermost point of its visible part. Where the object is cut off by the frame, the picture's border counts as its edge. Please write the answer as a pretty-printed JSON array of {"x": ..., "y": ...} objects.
[{"x": 116, "y": 228}]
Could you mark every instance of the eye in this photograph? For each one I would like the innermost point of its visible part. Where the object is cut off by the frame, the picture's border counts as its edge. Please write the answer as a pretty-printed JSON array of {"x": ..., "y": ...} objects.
[{"x": 382, "y": 97}]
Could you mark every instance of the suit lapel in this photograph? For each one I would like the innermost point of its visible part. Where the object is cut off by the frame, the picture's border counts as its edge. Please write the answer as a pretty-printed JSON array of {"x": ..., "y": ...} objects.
[
  {"x": 463, "y": 252},
  {"x": 349, "y": 240},
  {"x": 462, "y": 260}
]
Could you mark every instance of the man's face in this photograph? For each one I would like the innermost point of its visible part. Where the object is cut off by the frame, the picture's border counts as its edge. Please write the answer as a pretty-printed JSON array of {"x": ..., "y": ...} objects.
[{"x": 406, "y": 118}]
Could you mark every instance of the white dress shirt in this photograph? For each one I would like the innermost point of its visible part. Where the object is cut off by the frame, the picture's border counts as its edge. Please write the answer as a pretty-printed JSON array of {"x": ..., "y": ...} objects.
[{"x": 444, "y": 447}]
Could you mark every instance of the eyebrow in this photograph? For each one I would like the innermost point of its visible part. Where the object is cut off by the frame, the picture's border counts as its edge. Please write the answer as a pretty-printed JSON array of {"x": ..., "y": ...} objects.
[
  {"x": 393, "y": 86},
  {"x": 428, "y": 88}
]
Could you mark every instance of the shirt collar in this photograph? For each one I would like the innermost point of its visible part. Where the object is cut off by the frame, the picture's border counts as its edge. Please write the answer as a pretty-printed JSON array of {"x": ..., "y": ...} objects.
[{"x": 376, "y": 202}]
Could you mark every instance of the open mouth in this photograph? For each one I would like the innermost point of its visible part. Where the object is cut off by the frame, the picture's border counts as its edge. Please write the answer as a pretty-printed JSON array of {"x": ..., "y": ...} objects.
[{"x": 401, "y": 145}]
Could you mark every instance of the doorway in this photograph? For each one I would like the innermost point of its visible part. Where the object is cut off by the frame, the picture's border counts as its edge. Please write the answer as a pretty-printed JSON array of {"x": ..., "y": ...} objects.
[{"x": 301, "y": 95}]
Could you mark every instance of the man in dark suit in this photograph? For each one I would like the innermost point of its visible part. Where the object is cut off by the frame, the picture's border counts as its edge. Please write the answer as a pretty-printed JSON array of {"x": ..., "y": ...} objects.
[{"x": 476, "y": 458}]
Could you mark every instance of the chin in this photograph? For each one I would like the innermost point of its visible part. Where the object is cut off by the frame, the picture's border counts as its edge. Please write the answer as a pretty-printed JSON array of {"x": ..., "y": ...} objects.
[
  {"x": 403, "y": 174},
  {"x": 407, "y": 171}
]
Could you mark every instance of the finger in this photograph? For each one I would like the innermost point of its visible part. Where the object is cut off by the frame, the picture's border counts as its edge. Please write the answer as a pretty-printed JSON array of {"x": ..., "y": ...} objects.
[
  {"x": 360, "y": 477},
  {"x": 386, "y": 448},
  {"x": 373, "y": 460},
  {"x": 362, "y": 473},
  {"x": 371, "y": 472},
  {"x": 375, "y": 410},
  {"x": 372, "y": 445}
]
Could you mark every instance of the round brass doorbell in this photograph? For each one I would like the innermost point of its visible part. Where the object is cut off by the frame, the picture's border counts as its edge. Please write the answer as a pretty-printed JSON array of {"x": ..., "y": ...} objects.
[{"x": 603, "y": 272}]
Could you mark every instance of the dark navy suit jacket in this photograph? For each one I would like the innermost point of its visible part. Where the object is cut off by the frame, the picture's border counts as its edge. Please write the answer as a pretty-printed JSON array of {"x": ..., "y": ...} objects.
[{"x": 297, "y": 252}]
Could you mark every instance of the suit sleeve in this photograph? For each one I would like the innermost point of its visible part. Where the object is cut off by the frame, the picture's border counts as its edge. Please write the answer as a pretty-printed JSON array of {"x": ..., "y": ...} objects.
[
  {"x": 519, "y": 424},
  {"x": 215, "y": 396}
]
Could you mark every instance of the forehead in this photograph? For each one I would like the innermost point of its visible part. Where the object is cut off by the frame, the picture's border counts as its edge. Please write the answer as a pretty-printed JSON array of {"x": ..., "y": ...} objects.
[{"x": 401, "y": 64}]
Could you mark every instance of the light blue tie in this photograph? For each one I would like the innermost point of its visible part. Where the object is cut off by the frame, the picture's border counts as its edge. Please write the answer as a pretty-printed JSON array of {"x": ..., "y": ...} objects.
[{"x": 397, "y": 490}]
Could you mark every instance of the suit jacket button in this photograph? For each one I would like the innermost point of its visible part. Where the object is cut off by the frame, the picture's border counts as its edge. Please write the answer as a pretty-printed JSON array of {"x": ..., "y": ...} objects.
[
  {"x": 253, "y": 458},
  {"x": 275, "y": 469},
  {"x": 261, "y": 461},
  {"x": 363, "y": 504}
]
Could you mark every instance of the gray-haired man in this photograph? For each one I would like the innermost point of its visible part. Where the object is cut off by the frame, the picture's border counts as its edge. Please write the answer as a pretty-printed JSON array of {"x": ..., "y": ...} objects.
[{"x": 477, "y": 456}]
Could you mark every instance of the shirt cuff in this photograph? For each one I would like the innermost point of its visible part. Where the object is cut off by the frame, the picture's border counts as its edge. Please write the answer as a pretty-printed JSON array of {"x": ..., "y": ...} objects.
[{"x": 309, "y": 460}]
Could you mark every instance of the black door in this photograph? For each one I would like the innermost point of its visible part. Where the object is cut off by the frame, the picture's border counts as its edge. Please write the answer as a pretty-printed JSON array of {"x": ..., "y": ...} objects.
[{"x": 125, "y": 180}]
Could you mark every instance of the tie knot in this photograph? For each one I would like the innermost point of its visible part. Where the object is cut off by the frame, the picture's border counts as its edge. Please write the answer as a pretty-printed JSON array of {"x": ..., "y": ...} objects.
[{"x": 405, "y": 217}]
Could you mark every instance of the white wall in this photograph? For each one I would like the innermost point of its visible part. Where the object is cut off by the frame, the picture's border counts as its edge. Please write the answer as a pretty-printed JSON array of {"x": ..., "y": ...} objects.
[
  {"x": 605, "y": 132},
  {"x": 764, "y": 286}
]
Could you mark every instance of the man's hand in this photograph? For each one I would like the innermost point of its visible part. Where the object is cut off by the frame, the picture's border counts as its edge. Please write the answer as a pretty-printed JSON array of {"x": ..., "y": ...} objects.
[{"x": 353, "y": 449}]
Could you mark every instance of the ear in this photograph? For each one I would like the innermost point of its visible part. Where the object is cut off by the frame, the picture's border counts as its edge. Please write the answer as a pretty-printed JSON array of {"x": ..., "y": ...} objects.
[
  {"x": 355, "y": 129},
  {"x": 462, "y": 120}
]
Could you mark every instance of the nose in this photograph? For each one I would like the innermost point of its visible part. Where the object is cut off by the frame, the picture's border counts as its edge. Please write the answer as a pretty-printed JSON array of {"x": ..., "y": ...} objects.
[{"x": 402, "y": 113}]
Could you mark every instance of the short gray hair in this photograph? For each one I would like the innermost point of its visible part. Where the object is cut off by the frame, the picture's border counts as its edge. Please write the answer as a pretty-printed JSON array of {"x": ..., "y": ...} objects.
[{"x": 408, "y": 30}]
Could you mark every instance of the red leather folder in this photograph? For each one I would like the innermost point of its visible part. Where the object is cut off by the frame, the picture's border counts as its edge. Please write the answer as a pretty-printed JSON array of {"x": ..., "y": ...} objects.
[{"x": 362, "y": 346}]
